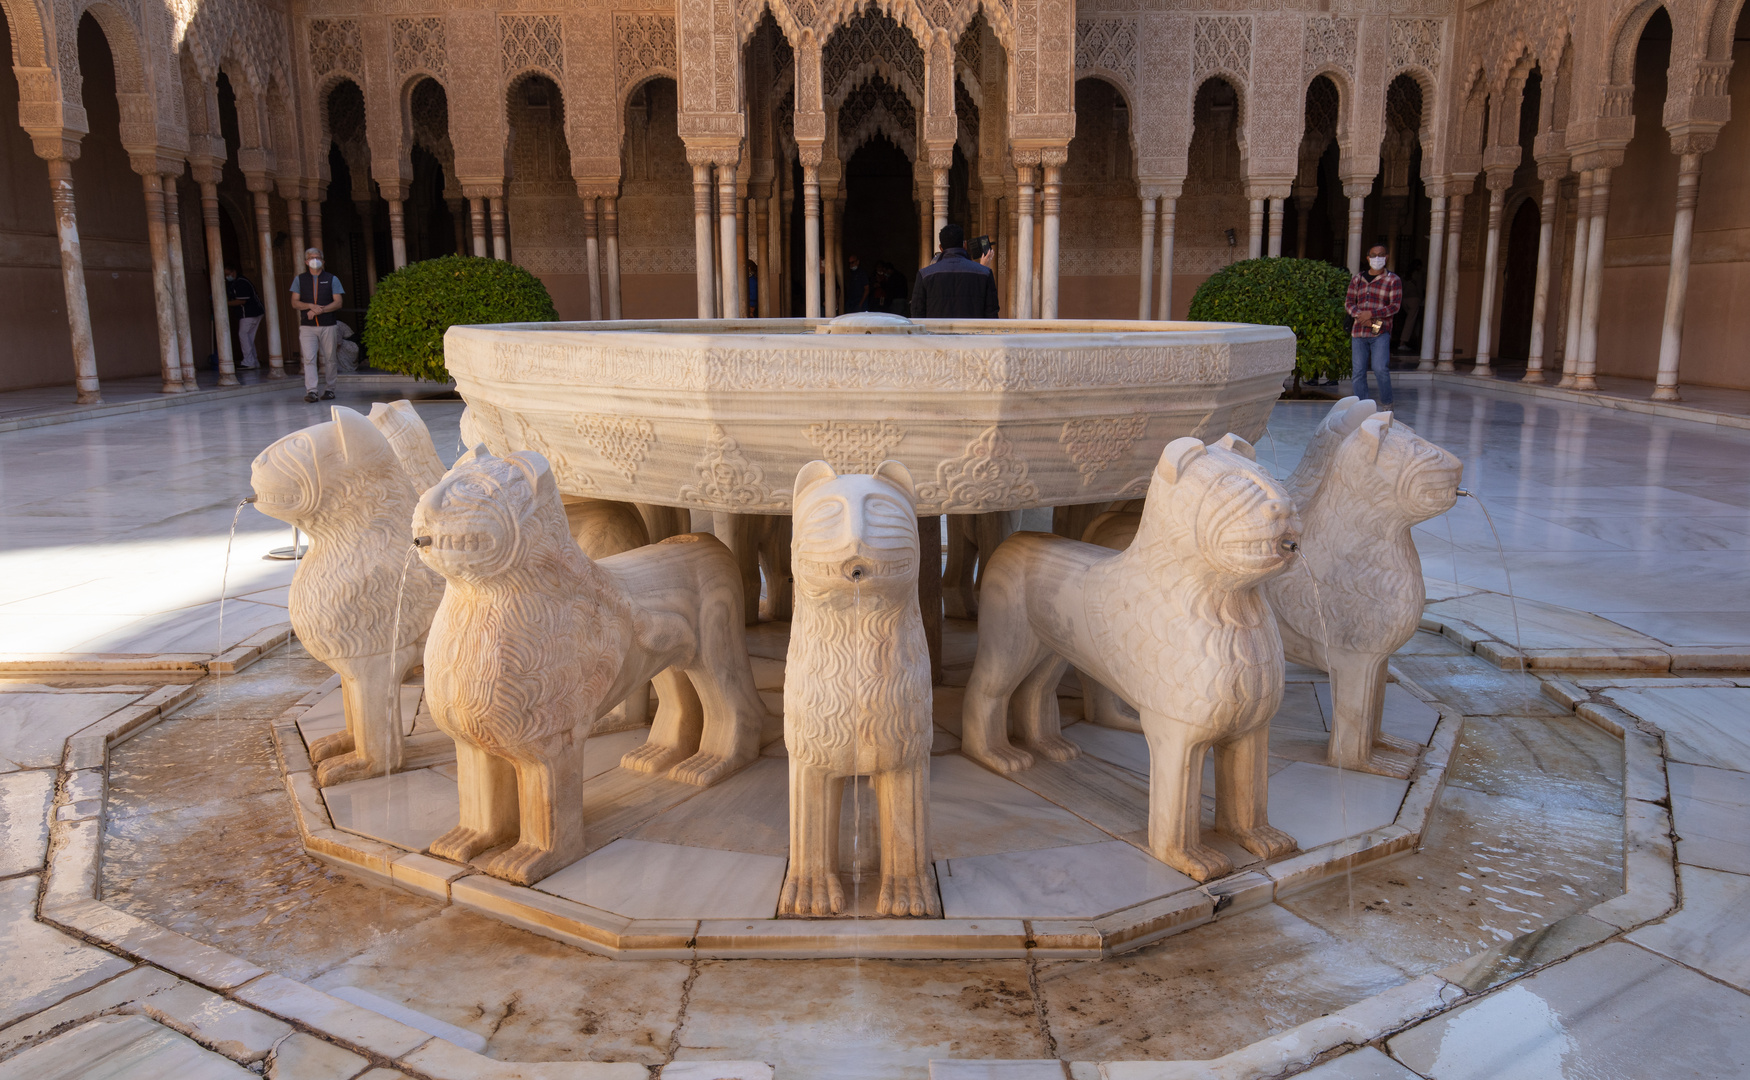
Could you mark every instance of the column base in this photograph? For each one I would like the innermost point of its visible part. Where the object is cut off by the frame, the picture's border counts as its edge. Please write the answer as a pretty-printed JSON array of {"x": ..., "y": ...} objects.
[
  {"x": 1585, "y": 382},
  {"x": 87, "y": 397},
  {"x": 276, "y": 371},
  {"x": 1482, "y": 369},
  {"x": 1425, "y": 364},
  {"x": 1446, "y": 366},
  {"x": 170, "y": 387},
  {"x": 228, "y": 378},
  {"x": 1532, "y": 375},
  {"x": 1566, "y": 382},
  {"x": 1666, "y": 393}
]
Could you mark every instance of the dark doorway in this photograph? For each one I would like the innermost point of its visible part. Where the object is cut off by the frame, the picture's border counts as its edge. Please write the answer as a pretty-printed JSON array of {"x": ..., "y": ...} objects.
[
  {"x": 1519, "y": 284},
  {"x": 881, "y": 220}
]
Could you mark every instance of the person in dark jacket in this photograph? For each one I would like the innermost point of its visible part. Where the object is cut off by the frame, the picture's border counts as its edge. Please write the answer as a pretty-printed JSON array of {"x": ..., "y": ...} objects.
[{"x": 954, "y": 286}]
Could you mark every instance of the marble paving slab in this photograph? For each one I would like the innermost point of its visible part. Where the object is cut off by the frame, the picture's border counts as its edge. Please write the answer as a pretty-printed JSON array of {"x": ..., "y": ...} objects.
[
  {"x": 1316, "y": 804},
  {"x": 1617, "y": 1011},
  {"x": 25, "y": 798},
  {"x": 329, "y": 715},
  {"x": 1126, "y": 749},
  {"x": 973, "y": 812},
  {"x": 34, "y": 727},
  {"x": 39, "y": 965},
  {"x": 1363, "y": 1064},
  {"x": 1083, "y": 881},
  {"x": 603, "y": 752},
  {"x": 1540, "y": 625},
  {"x": 1405, "y": 715},
  {"x": 192, "y": 630},
  {"x": 748, "y": 812},
  {"x": 1704, "y": 725},
  {"x": 1710, "y": 810},
  {"x": 1708, "y": 933},
  {"x": 120, "y": 1047},
  {"x": 408, "y": 809},
  {"x": 617, "y": 802},
  {"x": 644, "y": 880}
]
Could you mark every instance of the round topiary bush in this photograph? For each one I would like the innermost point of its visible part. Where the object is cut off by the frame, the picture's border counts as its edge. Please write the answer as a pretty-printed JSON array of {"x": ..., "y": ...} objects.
[
  {"x": 1305, "y": 295},
  {"x": 405, "y": 324}
]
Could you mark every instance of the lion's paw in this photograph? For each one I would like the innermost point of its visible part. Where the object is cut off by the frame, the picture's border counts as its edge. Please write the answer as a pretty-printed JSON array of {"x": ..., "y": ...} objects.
[
  {"x": 652, "y": 758},
  {"x": 811, "y": 894},
  {"x": 1197, "y": 861},
  {"x": 1005, "y": 759},
  {"x": 703, "y": 770},
  {"x": 347, "y": 767},
  {"x": 331, "y": 745},
  {"x": 461, "y": 844},
  {"x": 524, "y": 863},
  {"x": 1265, "y": 841},
  {"x": 1055, "y": 748},
  {"x": 909, "y": 894}
]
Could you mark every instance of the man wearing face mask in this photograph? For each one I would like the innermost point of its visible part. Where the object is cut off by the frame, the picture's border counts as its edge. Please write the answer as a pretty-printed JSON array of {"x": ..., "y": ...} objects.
[
  {"x": 316, "y": 295},
  {"x": 1373, "y": 298}
]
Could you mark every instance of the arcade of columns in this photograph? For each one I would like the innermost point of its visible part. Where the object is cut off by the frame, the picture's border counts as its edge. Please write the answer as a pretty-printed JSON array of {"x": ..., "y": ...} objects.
[{"x": 1381, "y": 117}]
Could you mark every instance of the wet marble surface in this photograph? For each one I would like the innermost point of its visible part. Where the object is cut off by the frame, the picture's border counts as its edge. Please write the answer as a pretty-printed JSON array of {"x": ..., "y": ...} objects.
[
  {"x": 34, "y": 726},
  {"x": 1703, "y": 725},
  {"x": 42, "y": 965},
  {"x": 24, "y": 819},
  {"x": 1708, "y": 933},
  {"x": 1709, "y": 811},
  {"x": 645, "y": 880},
  {"x": 1082, "y": 881}
]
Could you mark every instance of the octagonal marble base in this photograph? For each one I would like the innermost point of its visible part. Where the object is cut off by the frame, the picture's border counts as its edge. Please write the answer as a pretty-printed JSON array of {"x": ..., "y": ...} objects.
[{"x": 1051, "y": 862}]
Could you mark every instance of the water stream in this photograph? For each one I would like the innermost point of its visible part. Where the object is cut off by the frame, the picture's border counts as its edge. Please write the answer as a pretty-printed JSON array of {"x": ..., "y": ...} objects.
[{"x": 224, "y": 587}]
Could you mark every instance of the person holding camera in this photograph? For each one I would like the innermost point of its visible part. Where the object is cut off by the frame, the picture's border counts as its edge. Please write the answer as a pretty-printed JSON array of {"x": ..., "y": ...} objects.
[
  {"x": 954, "y": 287},
  {"x": 1373, "y": 298}
]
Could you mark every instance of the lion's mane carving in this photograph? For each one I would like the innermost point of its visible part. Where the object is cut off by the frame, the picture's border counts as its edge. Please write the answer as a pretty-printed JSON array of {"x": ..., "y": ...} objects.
[
  {"x": 857, "y": 697},
  {"x": 1175, "y": 624},
  {"x": 534, "y": 641},
  {"x": 341, "y": 483},
  {"x": 1355, "y": 595}
]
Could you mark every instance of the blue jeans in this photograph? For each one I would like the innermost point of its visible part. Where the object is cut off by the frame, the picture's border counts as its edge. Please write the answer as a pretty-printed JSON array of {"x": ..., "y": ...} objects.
[{"x": 1374, "y": 352}]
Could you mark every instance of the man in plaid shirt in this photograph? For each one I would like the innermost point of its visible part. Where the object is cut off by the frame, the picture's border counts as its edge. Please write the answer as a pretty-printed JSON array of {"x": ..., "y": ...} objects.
[{"x": 1374, "y": 297}]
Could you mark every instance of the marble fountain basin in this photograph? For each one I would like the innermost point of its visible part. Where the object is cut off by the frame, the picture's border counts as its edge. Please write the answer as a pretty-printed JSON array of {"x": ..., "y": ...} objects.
[{"x": 987, "y": 414}]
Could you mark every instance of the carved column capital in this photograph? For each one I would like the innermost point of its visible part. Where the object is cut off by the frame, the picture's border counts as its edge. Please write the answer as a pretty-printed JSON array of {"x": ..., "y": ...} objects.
[
  {"x": 1694, "y": 141},
  {"x": 56, "y": 145}
]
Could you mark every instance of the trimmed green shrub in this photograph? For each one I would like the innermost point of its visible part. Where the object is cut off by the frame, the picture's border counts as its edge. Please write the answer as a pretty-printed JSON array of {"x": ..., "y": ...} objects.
[
  {"x": 405, "y": 324},
  {"x": 1305, "y": 295}
]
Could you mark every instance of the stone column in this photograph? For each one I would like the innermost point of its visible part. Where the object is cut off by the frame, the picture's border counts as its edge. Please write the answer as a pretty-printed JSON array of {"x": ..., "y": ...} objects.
[
  {"x": 743, "y": 243},
  {"x": 477, "y": 224},
  {"x": 1577, "y": 280},
  {"x": 179, "y": 279},
  {"x": 207, "y": 175},
  {"x": 760, "y": 213},
  {"x": 1690, "y": 148},
  {"x": 1357, "y": 216},
  {"x": 592, "y": 253},
  {"x": 1431, "y": 306},
  {"x": 500, "y": 227},
  {"x": 1053, "y": 231},
  {"x": 941, "y": 161},
  {"x": 829, "y": 277},
  {"x": 811, "y": 231},
  {"x": 1497, "y": 184},
  {"x": 59, "y": 154},
  {"x": 169, "y": 350},
  {"x": 1449, "y": 288},
  {"x": 395, "y": 193},
  {"x": 611, "y": 238},
  {"x": 1551, "y": 175},
  {"x": 293, "y": 194},
  {"x": 1169, "y": 218},
  {"x": 1585, "y": 374},
  {"x": 1275, "y": 241},
  {"x": 1255, "y": 230},
  {"x": 704, "y": 257},
  {"x": 270, "y": 293},
  {"x": 732, "y": 271},
  {"x": 312, "y": 224},
  {"x": 1147, "y": 252},
  {"x": 1024, "y": 233}
]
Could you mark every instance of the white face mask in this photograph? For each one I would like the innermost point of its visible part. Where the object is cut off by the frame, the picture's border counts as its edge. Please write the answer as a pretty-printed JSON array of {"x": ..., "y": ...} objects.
[
  {"x": 1377, "y": 262},
  {"x": 316, "y": 264}
]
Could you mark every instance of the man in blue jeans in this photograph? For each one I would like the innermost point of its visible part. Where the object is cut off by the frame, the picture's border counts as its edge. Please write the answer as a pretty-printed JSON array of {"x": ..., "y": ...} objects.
[{"x": 1373, "y": 298}]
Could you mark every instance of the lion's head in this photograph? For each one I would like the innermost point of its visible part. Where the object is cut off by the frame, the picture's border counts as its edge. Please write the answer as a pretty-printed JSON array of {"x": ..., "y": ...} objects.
[
  {"x": 1212, "y": 505},
  {"x": 321, "y": 468},
  {"x": 854, "y": 533},
  {"x": 490, "y": 515},
  {"x": 1385, "y": 463}
]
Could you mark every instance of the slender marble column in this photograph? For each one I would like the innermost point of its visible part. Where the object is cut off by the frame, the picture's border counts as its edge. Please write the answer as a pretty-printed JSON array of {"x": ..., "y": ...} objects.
[
  {"x": 216, "y": 276},
  {"x": 1431, "y": 306},
  {"x": 1169, "y": 217},
  {"x": 179, "y": 280},
  {"x": 1491, "y": 257},
  {"x": 477, "y": 223},
  {"x": 733, "y": 272},
  {"x": 1357, "y": 215},
  {"x": 1540, "y": 292},
  {"x": 1255, "y": 232},
  {"x": 1148, "y": 259},
  {"x": 500, "y": 229},
  {"x": 86, "y": 388},
  {"x": 1449, "y": 297},
  {"x": 270, "y": 294},
  {"x": 811, "y": 237},
  {"x": 169, "y": 351},
  {"x": 1275, "y": 243},
  {"x": 1024, "y": 257},
  {"x": 295, "y": 219},
  {"x": 1053, "y": 232},
  {"x": 1577, "y": 281},
  {"x": 743, "y": 245},
  {"x": 1677, "y": 284},
  {"x": 313, "y": 224},
  {"x": 397, "y": 231},
  {"x": 939, "y": 195},
  {"x": 1585, "y": 375},
  {"x": 829, "y": 278},
  {"x": 759, "y": 210},
  {"x": 704, "y": 257},
  {"x": 592, "y": 257},
  {"x": 611, "y": 238}
]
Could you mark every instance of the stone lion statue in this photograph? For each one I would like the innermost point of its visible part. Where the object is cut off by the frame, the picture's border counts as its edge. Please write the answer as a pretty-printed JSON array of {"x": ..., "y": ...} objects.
[
  {"x": 411, "y": 440},
  {"x": 857, "y": 698},
  {"x": 1355, "y": 594},
  {"x": 341, "y": 483},
  {"x": 1175, "y": 624},
  {"x": 534, "y": 641}
]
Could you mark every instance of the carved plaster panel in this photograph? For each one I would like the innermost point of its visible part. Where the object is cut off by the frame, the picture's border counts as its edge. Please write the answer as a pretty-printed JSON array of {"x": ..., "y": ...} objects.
[
  {"x": 532, "y": 42},
  {"x": 1416, "y": 43},
  {"x": 419, "y": 46},
  {"x": 1330, "y": 42},
  {"x": 1223, "y": 43}
]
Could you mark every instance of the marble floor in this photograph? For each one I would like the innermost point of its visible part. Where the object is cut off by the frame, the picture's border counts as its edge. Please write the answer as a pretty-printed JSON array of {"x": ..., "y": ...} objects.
[{"x": 1610, "y": 524}]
